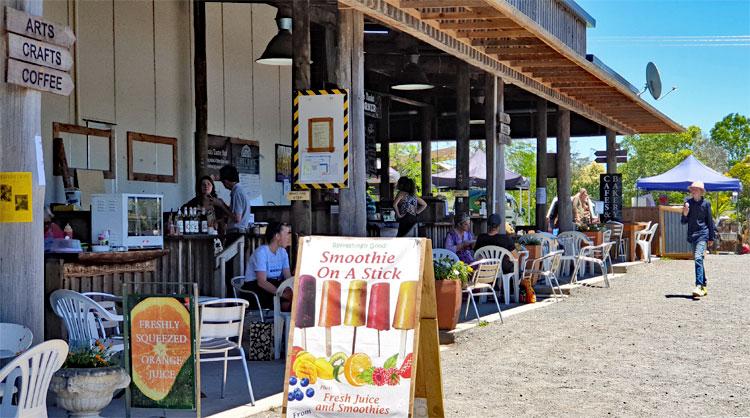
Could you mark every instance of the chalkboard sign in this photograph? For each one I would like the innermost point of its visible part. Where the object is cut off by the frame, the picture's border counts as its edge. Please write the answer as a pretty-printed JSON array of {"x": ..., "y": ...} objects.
[
  {"x": 610, "y": 192},
  {"x": 246, "y": 156}
]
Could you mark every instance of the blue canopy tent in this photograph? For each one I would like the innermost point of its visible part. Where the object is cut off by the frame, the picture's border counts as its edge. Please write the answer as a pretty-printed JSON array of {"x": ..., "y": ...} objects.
[{"x": 686, "y": 172}]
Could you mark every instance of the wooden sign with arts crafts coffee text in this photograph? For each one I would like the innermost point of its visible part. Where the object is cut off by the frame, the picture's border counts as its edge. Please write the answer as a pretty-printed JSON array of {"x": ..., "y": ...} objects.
[
  {"x": 38, "y": 55},
  {"x": 363, "y": 336}
]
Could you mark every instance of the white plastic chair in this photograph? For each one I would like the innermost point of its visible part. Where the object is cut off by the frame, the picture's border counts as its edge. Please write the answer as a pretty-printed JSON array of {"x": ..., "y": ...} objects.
[
  {"x": 548, "y": 267},
  {"x": 29, "y": 376},
  {"x": 14, "y": 339},
  {"x": 237, "y": 291},
  {"x": 597, "y": 255},
  {"x": 109, "y": 302},
  {"x": 83, "y": 317},
  {"x": 643, "y": 240},
  {"x": 572, "y": 241},
  {"x": 281, "y": 319},
  {"x": 483, "y": 280},
  {"x": 439, "y": 253},
  {"x": 500, "y": 253},
  {"x": 222, "y": 320}
]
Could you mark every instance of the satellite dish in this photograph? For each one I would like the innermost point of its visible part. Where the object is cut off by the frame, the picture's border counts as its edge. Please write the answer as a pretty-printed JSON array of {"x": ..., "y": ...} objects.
[{"x": 653, "y": 80}]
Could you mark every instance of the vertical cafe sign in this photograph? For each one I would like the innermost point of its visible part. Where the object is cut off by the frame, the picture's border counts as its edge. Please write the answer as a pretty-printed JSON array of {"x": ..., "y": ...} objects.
[
  {"x": 610, "y": 191},
  {"x": 162, "y": 355},
  {"x": 354, "y": 326}
]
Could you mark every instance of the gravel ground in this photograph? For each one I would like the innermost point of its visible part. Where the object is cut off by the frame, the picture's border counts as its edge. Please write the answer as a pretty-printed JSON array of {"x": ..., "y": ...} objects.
[{"x": 641, "y": 348}]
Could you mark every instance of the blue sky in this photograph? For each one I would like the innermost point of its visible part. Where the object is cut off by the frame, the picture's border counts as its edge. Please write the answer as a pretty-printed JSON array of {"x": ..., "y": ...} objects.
[{"x": 700, "y": 46}]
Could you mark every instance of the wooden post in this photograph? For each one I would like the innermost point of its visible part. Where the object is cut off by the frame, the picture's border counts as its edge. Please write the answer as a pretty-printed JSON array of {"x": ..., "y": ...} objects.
[
  {"x": 301, "y": 210},
  {"x": 350, "y": 73},
  {"x": 611, "y": 151},
  {"x": 22, "y": 260},
  {"x": 490, "y": 138},
  {"x": 428, "y": 117},
  {"x": 564, "y": 206},
  {"x": 541, "y": 163},
  {"x": 500, "y": 155},
  {"x": 201, "y": 88},
  {"x": 384, "y": 137},
  {"x": 463, "y": 99}
]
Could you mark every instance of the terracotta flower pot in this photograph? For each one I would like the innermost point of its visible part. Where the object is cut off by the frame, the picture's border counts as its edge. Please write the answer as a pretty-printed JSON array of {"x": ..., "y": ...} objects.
[
  {"x": 448, "y": 299},
  {"x": 597, "y": 237},
  {"x": 535, "y": 251}
]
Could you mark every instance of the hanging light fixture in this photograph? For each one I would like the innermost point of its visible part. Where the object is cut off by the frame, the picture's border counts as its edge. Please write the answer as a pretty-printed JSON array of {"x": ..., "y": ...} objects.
[
  {"x": 279, "y": 49},
  {"x": 412, "y": 77}
]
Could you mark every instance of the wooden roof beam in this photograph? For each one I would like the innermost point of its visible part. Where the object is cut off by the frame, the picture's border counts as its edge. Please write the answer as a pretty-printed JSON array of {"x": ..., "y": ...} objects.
[
  {"x": 414, "y": 4},
  {"x": 486, "y": 34},
  {"x": 541, "y": 64},
  {"x": 487, "y": 24},
  {"x": 518, "y": 49},
  {"x": 477, "y": 13},
  {"x": 557, "y": 84}
]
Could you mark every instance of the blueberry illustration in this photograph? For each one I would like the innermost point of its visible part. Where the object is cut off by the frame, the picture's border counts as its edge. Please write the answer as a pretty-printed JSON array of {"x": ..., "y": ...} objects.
[
  {"x": 292, "y": 380},
  {"x": 299, "y": 395},
  {"x": 310, "y": 392},
  {"x": 304, "y": 382},
  {"x": 290, "y": 397}
]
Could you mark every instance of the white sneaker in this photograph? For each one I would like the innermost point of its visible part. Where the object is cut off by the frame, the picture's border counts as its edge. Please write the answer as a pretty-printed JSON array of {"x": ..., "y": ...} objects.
[{"x": 697, "y": 292}]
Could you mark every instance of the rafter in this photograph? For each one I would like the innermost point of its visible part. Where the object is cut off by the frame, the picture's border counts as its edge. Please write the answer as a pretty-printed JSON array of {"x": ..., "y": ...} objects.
[
  {"x": 486, "y": 24},
  {"x": 469, "y": 14},
  {"x": 486, "y": 34},
  {"x": 413, "y": 4}
]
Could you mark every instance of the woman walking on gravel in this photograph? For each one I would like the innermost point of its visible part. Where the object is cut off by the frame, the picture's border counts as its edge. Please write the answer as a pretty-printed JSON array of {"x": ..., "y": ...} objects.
[{"x": 696, "y": 213}]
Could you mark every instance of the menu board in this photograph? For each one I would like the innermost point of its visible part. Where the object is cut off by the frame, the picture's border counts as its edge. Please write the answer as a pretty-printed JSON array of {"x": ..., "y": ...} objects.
[
  {"x": 354, "y": 335},
  {"x": 610, "y": 192}
]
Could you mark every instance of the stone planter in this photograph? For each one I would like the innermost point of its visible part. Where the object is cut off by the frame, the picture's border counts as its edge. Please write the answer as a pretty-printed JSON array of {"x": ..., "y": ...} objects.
[
  {"x": 85, "y": 392},
  {"x": 448, "y": 299}
]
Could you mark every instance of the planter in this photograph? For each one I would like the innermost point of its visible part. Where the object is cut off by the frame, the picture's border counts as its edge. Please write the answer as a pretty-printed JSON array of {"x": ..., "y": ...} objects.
[
  {"x": 535, "y": 251},
  {"x": 448, "y": 299},
  {"x": 596, "y": 236},
  {"x": 85, "y": 392}
]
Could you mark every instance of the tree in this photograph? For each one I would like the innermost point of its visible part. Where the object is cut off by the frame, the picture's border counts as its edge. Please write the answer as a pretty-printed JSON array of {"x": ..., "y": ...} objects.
[
  {"x": 733, "y": 134},
  {"x": 741, "y": 171},
  {"x": 711, "y": 154},
  {"x": 520, "y": 157},
  {"x": 406, "y": 159},
  {"x": 585, "y": 174}
]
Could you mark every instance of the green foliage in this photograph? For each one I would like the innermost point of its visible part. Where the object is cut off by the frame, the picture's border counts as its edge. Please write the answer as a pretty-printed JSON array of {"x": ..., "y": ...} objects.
[
  {"x": 520, "y": 157},
  {"x": 741, "y": 171},
  {"x": 733, "y": 134},
  {"x": 97, "y": 355},
  {"x": 585, "y": 174},
  {"x": 529, "y": 240},
  {"x": 445, "y": 269},
  {"x": 406, "y": 159}
]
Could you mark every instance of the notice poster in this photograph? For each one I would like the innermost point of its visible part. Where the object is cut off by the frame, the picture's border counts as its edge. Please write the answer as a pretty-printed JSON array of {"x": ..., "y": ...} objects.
[
  {"x": 610, "y": 192},
  {"x": 354, "y": 321},
  {"x": 15, "y": 197},
  {"x": 162, "y": 355}
]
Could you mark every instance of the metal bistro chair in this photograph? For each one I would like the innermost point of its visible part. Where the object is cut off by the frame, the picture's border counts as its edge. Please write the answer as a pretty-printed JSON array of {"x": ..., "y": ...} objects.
[
  {"x": 28, "y": 377},
  {"x": 500, "y": 253},
  {"x": 83, "y": 319},
  {"x": 238, "y": 291},
  {"x": 221, "y": 322},
  {"x": 548, "y": 267},
  {"x": 597, "y": 255},
  {"x": 483, "y": 280},
  {"x": 617, "y": 229}
]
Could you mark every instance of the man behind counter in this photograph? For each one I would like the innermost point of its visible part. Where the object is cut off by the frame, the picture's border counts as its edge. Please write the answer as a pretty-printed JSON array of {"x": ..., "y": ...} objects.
[{"x": 239, "y": 206}]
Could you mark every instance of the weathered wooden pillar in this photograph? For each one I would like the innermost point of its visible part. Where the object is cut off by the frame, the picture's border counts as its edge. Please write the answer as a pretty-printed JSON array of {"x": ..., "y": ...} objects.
[
  {"x": 500, "y": 153},
  {"x": 384, "y": 138},
  {"x": 301, "y": 210},
  {"x": 22, "y": 254},
  {"x": 350, "y": 73},
  {"x": 463, "y": 99},
  {"x": 541, "y": 163},
  {"x": 490, "y": 138},
  {"x": 611, "y": 151},
  {"x": 564, "y": 206},
  {"x": 201, "y": 88},
  {"x": 428, "y": 118}
]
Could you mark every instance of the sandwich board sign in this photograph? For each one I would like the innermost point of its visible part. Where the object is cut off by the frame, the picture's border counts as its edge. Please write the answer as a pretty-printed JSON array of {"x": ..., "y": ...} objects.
[
  {"x": 161, "y": 354},
  {"x": 363, "y": 337}
]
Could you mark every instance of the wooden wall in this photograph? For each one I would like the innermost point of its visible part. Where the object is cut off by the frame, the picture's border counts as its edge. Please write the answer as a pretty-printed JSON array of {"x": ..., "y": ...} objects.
[
  {"x": 134, "y": 71},
  {"x": 556, "y": 18}
]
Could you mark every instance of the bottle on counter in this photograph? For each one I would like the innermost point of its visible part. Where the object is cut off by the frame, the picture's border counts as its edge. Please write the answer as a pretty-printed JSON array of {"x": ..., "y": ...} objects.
[
  {"x": 68, "y": 231},
  {"x": 204, "y": 222},
  {"x": 188, "y": 222},
  {"x": 170, "y": 223},
  {"x": 180, "y": 223},
  {"x": 193, "y": 221}
]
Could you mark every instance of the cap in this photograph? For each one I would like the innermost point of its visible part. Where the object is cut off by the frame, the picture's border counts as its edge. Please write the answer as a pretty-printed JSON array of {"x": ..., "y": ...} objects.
[
  {"x": 697, "y": 185},
  {"x": 494, "y": 220}
]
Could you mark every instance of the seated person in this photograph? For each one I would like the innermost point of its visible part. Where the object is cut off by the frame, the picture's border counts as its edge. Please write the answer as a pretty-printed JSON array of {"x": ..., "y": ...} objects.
[
  {"x": 460, "y": 240},
  {"x": 268, "y": 266},
  {"x": 493, "y": 237}
]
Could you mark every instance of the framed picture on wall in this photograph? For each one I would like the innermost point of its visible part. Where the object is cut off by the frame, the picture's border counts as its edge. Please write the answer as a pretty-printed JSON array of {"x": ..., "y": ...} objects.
[{"x": 283, "y": 162}]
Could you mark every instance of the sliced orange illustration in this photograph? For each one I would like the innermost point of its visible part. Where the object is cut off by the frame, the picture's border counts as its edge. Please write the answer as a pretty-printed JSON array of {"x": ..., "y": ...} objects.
[
  {"x": 160, "y": 344},
  {"x": 354, "y": 366}
]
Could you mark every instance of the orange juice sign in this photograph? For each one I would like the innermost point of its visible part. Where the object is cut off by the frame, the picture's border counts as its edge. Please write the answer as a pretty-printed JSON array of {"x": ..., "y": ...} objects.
[
  {"x": 354, "y": 325},
  {"x": 161, "y": 352}
]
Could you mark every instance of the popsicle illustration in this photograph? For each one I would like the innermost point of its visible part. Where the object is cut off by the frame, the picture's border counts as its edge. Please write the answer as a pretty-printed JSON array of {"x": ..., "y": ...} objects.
[
  {"x": 305, "y": 306},
  {"x": 355, "y": 307},
  {"x": 405, "y": 315},
  {"x": 330, "y": 309},
  {"x": 379, "y": 309}
]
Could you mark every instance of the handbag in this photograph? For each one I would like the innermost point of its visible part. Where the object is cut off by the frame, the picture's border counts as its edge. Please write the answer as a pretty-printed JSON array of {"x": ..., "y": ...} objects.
[{"x": 257, "y": 338}]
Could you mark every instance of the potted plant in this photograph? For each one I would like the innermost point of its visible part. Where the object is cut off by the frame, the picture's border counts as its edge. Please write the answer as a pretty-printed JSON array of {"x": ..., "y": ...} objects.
[
  {"x": 88, "y": 379},
  {"x": 533, "y": 245},
  {"x": 594, "y": 232},
  {"x": 450, "y": 278}
]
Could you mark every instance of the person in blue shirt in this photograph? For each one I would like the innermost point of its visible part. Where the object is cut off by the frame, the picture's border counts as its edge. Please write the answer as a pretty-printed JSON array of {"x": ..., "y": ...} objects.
[
  {"x": 696, "y": 213},
  {"x": 268, "y": 266}
]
